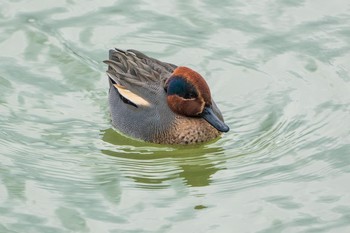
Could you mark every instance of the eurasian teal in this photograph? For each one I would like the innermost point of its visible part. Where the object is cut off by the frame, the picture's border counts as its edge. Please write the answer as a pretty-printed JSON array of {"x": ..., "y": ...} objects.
[{"x": 160, "y": 102}]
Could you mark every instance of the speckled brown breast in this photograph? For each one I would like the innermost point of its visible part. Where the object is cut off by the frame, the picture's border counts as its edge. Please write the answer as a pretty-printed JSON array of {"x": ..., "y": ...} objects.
[{"x": 187, "y": 131}]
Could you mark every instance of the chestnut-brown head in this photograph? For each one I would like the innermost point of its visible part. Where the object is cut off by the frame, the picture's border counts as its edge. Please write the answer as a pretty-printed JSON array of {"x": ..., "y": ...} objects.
[{"x": 188, "y": 94}]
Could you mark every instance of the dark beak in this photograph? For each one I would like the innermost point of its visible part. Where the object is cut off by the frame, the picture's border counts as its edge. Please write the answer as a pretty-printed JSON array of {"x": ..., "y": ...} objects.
[{"x": 212, "y": 119}]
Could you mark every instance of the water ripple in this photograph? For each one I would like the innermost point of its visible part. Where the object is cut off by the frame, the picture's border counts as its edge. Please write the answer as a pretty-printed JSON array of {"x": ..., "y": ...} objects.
[{"x": 278, "y": 70}]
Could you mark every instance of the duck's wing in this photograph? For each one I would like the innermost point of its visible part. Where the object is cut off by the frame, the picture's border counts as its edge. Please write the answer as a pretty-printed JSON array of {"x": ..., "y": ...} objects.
[
  {"x": 132, "y": 64},
  {"x": 137, "y": 76},
  {"x": 154, "y": 63}
]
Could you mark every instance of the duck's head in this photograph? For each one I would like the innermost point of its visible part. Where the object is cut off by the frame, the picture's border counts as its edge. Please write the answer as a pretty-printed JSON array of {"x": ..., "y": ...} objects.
[{"x": 188, "y": 94}]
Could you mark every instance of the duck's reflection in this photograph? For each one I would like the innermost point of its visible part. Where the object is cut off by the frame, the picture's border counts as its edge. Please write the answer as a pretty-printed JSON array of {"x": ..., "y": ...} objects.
[{"x": 153, "y": 165}]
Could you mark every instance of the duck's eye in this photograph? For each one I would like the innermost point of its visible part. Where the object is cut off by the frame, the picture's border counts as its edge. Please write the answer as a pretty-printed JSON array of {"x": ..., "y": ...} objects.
[
  {"x": 191, "y": 95},
  {"x": 177, "y": 85}
]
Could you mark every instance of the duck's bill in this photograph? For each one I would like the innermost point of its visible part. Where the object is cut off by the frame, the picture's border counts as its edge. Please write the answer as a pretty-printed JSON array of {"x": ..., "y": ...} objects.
[{"x": 212, "y": 119}]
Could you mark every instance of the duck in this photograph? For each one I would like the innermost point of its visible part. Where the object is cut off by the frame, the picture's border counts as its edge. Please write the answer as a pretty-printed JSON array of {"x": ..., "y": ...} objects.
[{"x": 159, "y": 102}]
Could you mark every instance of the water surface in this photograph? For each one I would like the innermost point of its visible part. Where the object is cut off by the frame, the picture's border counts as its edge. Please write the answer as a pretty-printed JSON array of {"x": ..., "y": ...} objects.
[{"x": 279, "y": 71}]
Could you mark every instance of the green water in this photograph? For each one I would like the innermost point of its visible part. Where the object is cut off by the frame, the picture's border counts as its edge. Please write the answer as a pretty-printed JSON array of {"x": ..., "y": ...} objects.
[{"x": 279, "y": 71}]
